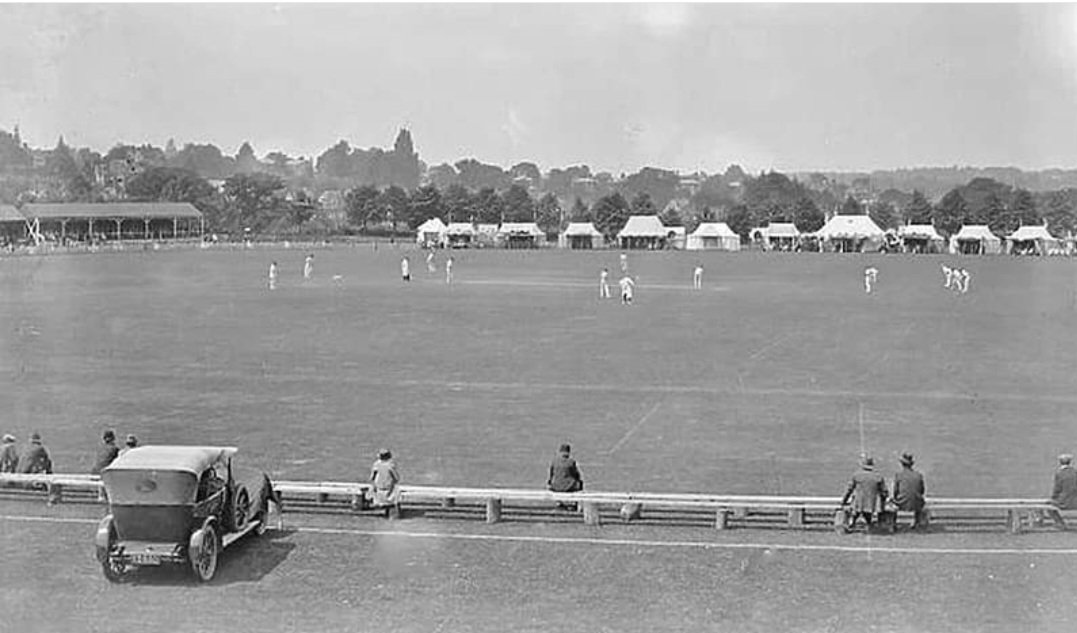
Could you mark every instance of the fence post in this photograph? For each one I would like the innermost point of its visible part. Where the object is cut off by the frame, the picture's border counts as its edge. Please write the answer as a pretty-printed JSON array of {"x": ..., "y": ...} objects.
[
  {"x": 493, "y": 510},
  {"x": 796, "y": 517},
  {"x": 590, "y": 513}
]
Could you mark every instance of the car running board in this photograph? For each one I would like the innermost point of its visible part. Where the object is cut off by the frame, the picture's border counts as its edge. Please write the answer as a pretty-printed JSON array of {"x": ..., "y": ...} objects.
[{"x": 235, "y": 536}]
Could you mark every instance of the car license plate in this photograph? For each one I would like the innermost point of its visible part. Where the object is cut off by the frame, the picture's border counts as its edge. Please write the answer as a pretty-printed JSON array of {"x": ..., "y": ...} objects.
[{"x": 146, "y": 559}]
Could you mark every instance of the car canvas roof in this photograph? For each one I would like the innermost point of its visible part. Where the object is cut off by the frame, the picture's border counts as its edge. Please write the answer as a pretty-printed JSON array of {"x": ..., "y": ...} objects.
[{"x": 191, "y": 459}]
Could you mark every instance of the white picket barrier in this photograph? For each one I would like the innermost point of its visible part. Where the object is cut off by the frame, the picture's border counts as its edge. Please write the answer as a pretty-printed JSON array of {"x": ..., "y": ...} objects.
[{"x": 629, "y": 505}]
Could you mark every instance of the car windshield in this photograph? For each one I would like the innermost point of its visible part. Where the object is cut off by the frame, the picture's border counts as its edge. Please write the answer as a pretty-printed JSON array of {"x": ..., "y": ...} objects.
[{"x": 150, "y": 487}]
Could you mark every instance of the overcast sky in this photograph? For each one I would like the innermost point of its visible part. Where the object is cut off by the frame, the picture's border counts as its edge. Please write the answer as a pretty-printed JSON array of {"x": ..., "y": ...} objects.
[{"x": 618, "y": 87}]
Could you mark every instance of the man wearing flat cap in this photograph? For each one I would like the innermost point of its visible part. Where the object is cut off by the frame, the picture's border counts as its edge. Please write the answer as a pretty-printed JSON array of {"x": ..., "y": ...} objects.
[
  {"x": 1064, "y": 493},
  {"x": 9, "y": 455},
  {"x": 909, "y": 492},
  {"x": 35, "y": 459},
  {"x": 867, "y": 490}
]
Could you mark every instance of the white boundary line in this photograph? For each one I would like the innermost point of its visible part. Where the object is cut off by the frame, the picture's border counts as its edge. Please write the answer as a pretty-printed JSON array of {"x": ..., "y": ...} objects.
[{"x": 570, "y": 540}]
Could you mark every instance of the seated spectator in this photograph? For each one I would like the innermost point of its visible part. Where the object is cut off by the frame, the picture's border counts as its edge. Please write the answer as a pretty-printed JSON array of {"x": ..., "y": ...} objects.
[
  {"x": 909, "y": 491},
  {"x": 9, "y": 455},
  {"x": 564, "y": 475},
  {"x": 1064, "y": 492},
  {"x": 106, "y": 453},
  {"x": 867, "y": 490},
  {"x": 386, "y": 481},
  {"x": 129, "y": 443},
  {"x": 35, "y": 459}
]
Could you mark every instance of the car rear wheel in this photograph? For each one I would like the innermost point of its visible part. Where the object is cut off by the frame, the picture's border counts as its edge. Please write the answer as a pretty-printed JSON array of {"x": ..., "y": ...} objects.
[{"x": 203, "y": 551}]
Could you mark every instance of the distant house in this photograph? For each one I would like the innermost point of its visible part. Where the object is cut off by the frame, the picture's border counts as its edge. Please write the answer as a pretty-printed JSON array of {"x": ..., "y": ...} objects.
[
  {"x": 713, "y": 236},
  {"x": 12, "y": 224},
  {"x": 643, "y": 232},
  {"x": 975, "y": 239},
  {"x": 581, "y": 235}
]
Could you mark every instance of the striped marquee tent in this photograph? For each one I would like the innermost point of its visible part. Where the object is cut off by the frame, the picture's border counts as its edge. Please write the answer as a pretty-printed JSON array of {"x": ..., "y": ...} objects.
[
  {"x": 1032, "y": 240},
  {"x": 114, "y": 220},
  {"x": 921, "y": 238},
  {"x": 975, "y": 239},
  {"x": 459, "y": 234},
  {"x": 431, "y": 233},
  {"x": 851, "y": 233},
  {"x": 643, "y": 231},
  {"x": 581, "y": 235},
  {"x": 713, "y": 235},
  {"x": 520, "y": 235}
]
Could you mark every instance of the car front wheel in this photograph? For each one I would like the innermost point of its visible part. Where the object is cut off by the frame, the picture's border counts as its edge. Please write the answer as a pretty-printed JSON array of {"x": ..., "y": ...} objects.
[{"x": 203, "y": 551}]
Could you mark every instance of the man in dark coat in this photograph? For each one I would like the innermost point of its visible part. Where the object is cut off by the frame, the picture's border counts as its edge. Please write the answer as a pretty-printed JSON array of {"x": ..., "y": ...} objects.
[
  {"x": 106, "y": 452},
  {"x": 909, "y": 491},
  {"x": 564, "y": 474},
  {"x": 1064, "y": 492},
  {"x": 9, "y": 455},
  {"x": 867, "y": 490},
  {"x": 36, "y": 457}
]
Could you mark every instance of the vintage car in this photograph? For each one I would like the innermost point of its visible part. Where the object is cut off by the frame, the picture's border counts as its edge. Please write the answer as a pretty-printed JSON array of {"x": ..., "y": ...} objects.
[{"x": 179, "y": 505}]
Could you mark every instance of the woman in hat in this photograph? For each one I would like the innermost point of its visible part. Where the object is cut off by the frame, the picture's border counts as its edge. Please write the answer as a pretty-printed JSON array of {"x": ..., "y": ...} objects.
[{"x": 386, "y": 481}]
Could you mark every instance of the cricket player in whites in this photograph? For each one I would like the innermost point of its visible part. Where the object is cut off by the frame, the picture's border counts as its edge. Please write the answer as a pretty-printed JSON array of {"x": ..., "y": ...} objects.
[
  {"x": 308, "y": 266},
  {"x": 604, "y": 284},
  {"x": 871, "y": 274},
  {"x": 949, "y": 274},
  {"x": 273, "y": 276},
  {"x": 430, "y": 268},
  {"x": 627, "y": 285},
  {"x": 448, "y": 270},
  {"x": 697, "y": 277},
  {"x": 962, "y": 280}
]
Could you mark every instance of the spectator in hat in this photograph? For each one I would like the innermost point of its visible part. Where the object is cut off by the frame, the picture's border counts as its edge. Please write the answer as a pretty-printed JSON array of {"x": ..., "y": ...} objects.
[
  {"x": 106, "y": 453},
  {"x": 35, "y": 459},
  {"x": 1064, "y": 492},
  {"x": 564, "y": 475},
  {"x": 386, "y": 481},
  {"x": 129, "y": 443},
  {"x": 867, "y": 492},
  {"x": 9, "y": 455},
  {"x": 909, "y": 491}
]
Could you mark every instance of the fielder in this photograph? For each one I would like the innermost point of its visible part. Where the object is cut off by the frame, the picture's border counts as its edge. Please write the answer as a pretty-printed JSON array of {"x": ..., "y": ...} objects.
[
  {"x": 626, "y": 289},
  {"x": 430, "y": 268},
  {"x": 871, "y": 274},
  {"x": 405, "y": 269},
  {"x": 273, "y": 276},
  {"x": 963, "y": 282},
  {"x": 604, "y": 284},
  {"x": 448, "y": 270},
  {"x": 624, "y": 263},
  {"x": 949, "y": 274},
  {"x": 308, "y": 266},
  {"x": 697, "y": 277}
]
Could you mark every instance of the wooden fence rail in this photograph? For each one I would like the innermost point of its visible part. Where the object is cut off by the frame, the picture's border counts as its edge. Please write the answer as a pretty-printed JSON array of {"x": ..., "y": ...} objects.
[{"x": 725, "y": 509}]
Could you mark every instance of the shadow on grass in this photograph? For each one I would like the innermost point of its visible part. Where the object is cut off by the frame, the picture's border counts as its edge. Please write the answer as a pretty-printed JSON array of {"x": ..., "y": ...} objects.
[{"x": 250, "y": 559}]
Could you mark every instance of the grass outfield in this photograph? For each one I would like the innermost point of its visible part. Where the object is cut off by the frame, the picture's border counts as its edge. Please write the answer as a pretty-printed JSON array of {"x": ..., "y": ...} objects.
[{"x": 756, "y": 384}]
